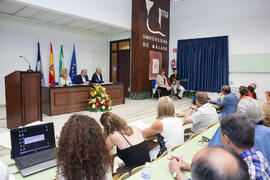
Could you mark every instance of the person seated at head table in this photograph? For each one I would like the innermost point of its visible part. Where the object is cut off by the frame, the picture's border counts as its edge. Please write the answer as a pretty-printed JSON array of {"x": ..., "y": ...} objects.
[
  {"x": 243, "y": 91},
  {"x": 251, "y": 92},
  {"x": 252, "y": 108},
  {"x": 131, "y": 146},
  {"x": 97, "y": 76},
  {"x": 81, "y": 153},
  {"x": 64, "y": 78},
  {"x": 177, "y": 88},
  {"x": 228, "y": 101},
  {"x": 168, "y": 129},
  {"x": 211, "y": 163},
  {"x": 162, "y": 84},
  {"x": 266, "y": 114},
  {"x": 201, "y": 116},
  {"x": 83, "y": 78}
]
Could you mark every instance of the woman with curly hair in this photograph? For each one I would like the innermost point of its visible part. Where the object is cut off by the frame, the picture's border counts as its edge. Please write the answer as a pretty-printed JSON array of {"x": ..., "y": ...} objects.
[
  {"x": 132, "y": 148},
  {"x": 251, "y": 92},
  {"x": 82, "y": 152}
]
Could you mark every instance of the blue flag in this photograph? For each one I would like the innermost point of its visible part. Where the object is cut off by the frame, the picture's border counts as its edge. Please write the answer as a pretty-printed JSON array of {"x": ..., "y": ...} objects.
[
  {"x": 73, "y": 67},
  {"x": 39, "y": 66}
]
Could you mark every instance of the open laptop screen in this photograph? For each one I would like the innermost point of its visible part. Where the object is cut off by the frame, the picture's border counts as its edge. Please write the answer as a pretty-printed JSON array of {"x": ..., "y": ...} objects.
[{"x": 32, "y": 139}]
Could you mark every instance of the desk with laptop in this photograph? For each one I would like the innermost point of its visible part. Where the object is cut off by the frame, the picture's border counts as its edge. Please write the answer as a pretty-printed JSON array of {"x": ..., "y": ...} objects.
[{"x": 34, "y": 153}]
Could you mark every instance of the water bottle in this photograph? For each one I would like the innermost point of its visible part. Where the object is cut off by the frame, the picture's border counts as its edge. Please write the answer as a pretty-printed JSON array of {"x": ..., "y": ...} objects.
[{"x": 146, "y": 171}]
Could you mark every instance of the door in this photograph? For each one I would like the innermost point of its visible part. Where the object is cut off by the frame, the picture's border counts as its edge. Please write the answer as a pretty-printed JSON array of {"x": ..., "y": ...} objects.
[{"x": 123, "y": 70}]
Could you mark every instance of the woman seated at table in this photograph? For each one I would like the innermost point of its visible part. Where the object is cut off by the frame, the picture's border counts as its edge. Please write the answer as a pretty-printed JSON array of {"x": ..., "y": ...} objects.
[
  {"x": 81, "y": 153},
  {"x": 168, "y": 129},
  {"x": 64, "y": 78},
  {"x": 162, "y": 84},
  {"x": 131, "y": 146},
  {"x": 251, "y": 92},
  {"x": 243, "y": 91}
]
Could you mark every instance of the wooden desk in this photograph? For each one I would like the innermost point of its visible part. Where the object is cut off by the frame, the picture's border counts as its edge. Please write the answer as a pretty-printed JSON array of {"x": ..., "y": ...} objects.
[{"x": 61, "y": 100}]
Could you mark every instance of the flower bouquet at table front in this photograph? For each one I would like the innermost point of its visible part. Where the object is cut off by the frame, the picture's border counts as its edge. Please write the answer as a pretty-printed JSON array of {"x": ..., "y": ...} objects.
[{"x": 99, "y": 99}]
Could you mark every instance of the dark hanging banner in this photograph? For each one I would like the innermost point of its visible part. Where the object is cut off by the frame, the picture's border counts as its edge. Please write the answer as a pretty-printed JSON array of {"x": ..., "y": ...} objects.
[{"x": 150, "y": 32}]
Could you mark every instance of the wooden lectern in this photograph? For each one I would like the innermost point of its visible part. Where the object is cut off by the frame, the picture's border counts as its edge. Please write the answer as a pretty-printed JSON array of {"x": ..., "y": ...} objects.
[{"x": 23, "y": 98}]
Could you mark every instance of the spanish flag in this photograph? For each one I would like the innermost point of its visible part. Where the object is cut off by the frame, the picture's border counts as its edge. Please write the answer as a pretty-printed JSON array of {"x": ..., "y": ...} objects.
[{"x": 51, "y": 70}]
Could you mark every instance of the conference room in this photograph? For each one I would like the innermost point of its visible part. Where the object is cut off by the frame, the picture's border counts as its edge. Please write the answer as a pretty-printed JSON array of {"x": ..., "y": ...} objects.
[{"x": 134, "y": 89}]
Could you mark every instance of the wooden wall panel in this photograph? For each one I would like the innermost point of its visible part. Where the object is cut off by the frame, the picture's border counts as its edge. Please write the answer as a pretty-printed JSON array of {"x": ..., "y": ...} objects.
[{"x": 144, "y": 40}]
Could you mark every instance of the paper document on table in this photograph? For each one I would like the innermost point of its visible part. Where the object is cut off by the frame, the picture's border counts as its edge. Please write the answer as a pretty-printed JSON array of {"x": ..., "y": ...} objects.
[{"x": 140, "y": 125}]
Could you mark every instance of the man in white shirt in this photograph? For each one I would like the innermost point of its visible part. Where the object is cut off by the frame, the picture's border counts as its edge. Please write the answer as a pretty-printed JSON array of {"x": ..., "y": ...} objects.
[
  {"x": 97, "y": 76},
  {"x": 201, "y": 116}
]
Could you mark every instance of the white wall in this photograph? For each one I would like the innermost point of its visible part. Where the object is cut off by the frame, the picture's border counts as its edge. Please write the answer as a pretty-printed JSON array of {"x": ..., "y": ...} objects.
[
  {"x": 115, "y": 12},
  {"x": 246, "y": 22},
  {"x": 21, "y": 39}
]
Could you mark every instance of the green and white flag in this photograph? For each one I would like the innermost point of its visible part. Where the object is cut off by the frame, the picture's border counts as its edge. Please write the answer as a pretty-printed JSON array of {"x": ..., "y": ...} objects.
[{"x": 61, "y": 60}]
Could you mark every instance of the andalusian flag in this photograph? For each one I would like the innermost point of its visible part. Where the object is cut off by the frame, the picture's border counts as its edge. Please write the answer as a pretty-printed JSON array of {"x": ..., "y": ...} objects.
[
  {"x": 51, "y": 71},
  {"x": 61, "y": 60}
]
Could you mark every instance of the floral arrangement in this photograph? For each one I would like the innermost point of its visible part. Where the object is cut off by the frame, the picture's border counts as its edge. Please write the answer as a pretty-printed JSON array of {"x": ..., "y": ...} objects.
[{"x": 99, "y": 99}]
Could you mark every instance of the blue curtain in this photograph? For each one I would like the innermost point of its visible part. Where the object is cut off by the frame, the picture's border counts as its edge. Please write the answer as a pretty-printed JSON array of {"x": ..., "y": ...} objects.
[{"x": 204, "y": 62}]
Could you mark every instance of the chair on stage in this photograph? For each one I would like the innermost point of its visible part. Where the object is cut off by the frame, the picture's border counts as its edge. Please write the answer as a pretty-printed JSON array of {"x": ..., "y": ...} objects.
[{"x": 155, "y": 92}]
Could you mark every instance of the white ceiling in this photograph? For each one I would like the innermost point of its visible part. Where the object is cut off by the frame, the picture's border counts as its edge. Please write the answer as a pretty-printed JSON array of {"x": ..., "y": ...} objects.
[{"x": 23, "y": 11}]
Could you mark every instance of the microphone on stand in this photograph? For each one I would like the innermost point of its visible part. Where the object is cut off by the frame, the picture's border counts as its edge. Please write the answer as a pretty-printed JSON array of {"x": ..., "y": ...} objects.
[{"x": 28, "y": 70}]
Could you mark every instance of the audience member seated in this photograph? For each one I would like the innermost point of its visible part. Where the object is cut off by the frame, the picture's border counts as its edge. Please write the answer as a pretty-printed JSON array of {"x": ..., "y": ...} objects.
[
  {"x": 131, "y": 146},
  {"x": 64, "y": 78},
  {"x": 97, "y": 76},
  {"x": 229, "y": 102},
  {"x": 162, "y": 84},
  {"x": 266, "y": 114},
  {"x": 238, "y": 133},
  {"x": 167, "y": 128},
  {"x": 82, "y": 152},
  {"x": 251, "y": 92},
  {"x": 243, "y": 91},
  {"x": 177, "y": 89},
  {"x": 201, "y": 116},
  {"x": 83, "y": 78},
  {"x": 267, "y": 94},
  {"x": 211, "y": 163},
  {"x": 252, "y": 108}
]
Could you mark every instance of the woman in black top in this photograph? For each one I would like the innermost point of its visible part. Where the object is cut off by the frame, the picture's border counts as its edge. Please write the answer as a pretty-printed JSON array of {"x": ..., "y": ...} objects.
[{"x": 132, "y": 148}]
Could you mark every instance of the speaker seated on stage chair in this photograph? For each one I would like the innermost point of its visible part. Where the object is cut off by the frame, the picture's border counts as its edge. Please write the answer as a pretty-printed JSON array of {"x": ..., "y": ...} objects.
[
  {"x": 64, "y": 79},
  {"x": 162, "y": 84},
  {"x": 177, "y": 89},
  {"x": 97, "y": 76},
  {"x": 83, "y": 78}
]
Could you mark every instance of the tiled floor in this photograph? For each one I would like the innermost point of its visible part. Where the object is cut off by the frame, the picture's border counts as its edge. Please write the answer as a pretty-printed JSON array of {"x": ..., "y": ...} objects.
[{"x": 132, "y": 110}]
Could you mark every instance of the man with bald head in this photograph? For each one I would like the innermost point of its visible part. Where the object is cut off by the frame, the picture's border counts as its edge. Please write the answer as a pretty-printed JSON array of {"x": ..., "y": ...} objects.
[
  {"x": 97, "y": 76},
  {"x": 229, "y": 103},
  {"x": 211, "y": 163}
]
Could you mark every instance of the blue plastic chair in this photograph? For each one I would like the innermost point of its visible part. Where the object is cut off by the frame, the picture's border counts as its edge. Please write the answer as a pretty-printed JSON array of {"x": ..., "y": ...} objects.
[{"x": 153, "y": 89}]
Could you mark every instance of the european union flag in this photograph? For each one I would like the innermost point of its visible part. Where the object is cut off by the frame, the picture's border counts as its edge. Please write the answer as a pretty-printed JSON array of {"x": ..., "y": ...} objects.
[{"x": 73, "y": 67}]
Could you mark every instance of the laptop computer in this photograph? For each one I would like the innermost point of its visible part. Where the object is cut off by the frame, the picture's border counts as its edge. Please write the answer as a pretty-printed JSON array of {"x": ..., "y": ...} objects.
[{"x": 33, "y": 148}]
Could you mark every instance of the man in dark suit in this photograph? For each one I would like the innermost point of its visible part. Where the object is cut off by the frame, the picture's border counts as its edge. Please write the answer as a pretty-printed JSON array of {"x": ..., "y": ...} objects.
[
  {"x": 83, "y": 78},
  {"x": 97, "y": 76}
]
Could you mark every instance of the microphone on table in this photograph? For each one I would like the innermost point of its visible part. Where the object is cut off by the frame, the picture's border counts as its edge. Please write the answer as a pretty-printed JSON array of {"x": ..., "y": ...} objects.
[{"x": 29, "y": 64}]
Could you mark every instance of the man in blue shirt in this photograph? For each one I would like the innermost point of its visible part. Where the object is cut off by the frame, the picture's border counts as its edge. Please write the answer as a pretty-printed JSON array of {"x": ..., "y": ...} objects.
[{"x": 229, "y": 103}]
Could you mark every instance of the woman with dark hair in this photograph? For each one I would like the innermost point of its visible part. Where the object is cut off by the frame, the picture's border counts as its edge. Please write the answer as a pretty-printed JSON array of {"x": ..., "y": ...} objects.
[
  {"x": 131, "y": 146},
  {"x": 82, "y": 152},
  {"x": 162, "y": 84},
  {"x": 251, "y": 92},
  {"x": 243, "y": 91}
]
